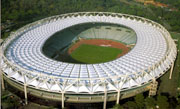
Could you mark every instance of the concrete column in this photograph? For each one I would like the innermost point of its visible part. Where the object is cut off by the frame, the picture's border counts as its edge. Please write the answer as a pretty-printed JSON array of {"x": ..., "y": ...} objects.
[
  {"x": 2, "y": 80},
  {"x": 170, "y": 75},
  {"x": 105, "y": 99},
  {"x": 118, "y": 97},
  {"x": 62, "y": 100},
  {"x": 25, "y": 94},
  {"x": 105, "y": 96}
]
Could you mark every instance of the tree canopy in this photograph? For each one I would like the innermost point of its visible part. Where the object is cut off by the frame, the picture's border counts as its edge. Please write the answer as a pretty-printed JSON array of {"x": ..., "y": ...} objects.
[{"x": 21, "y": 12}]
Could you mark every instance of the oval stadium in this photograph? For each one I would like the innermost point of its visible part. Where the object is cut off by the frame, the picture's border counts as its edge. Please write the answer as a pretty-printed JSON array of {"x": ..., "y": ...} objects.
[{"x": 87, "y": 57}]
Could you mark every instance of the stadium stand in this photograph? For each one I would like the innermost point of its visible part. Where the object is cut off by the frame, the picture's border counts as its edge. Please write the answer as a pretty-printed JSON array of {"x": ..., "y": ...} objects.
[{"x": 23, "y": 61}]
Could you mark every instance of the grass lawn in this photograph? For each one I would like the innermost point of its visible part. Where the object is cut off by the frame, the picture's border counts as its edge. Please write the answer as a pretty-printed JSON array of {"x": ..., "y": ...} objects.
[
  {"x": 95, "y": 54},
  {"x": 170, "y": 86}
]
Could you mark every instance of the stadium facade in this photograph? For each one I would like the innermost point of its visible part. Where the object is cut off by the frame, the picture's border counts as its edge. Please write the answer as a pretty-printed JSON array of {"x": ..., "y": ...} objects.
[{"x": 25, "y": 67}]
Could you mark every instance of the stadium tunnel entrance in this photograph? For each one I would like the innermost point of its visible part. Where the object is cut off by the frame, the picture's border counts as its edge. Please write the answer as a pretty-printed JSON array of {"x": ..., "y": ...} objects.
[{"x": 90, "y": 43}]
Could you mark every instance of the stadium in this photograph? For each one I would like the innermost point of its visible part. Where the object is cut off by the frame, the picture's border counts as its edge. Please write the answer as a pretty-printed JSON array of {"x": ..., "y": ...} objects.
[{"x": 33, "y": 58}]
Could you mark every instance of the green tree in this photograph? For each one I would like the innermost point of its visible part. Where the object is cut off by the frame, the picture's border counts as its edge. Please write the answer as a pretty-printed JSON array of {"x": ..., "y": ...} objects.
[
  {"x": 139, "y": 99},
  {"x": 14, "y": 15},
  {"x": 162, "y": 102},
  {"x": 178, "y": 104},
  {"x": 130, "y": 105},
  {"x": 117, "y": 106},
  {"x": 150, "y": 103}
]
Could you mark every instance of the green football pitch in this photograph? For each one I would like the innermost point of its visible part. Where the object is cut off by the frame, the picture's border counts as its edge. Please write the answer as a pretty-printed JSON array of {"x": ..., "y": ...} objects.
[{"x": 92, "y": 54}]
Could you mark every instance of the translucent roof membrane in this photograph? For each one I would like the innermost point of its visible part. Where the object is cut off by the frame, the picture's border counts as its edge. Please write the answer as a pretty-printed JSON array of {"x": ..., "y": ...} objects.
[{"x": 130, "y": 70}]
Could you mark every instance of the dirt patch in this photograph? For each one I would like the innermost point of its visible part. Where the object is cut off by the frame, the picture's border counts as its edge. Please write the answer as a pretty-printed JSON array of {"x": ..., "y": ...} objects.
[{"x": 100, "y": 42}]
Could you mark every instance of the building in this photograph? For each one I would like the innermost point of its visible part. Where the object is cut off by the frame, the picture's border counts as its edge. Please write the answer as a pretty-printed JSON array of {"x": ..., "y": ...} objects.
[{"x": 25, "y": 67}]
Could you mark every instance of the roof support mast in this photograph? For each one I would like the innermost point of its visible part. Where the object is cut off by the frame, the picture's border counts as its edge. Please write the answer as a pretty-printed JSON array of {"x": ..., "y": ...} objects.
[
  {"x": 118, "y": 97},
  {"x": 2, "y": 80},
  {"x": 105, "y": 97},
  {"x": 62, "y": 100},
  {"x": 25, "y": 94},
  {"x": 172, "y": 66}
]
